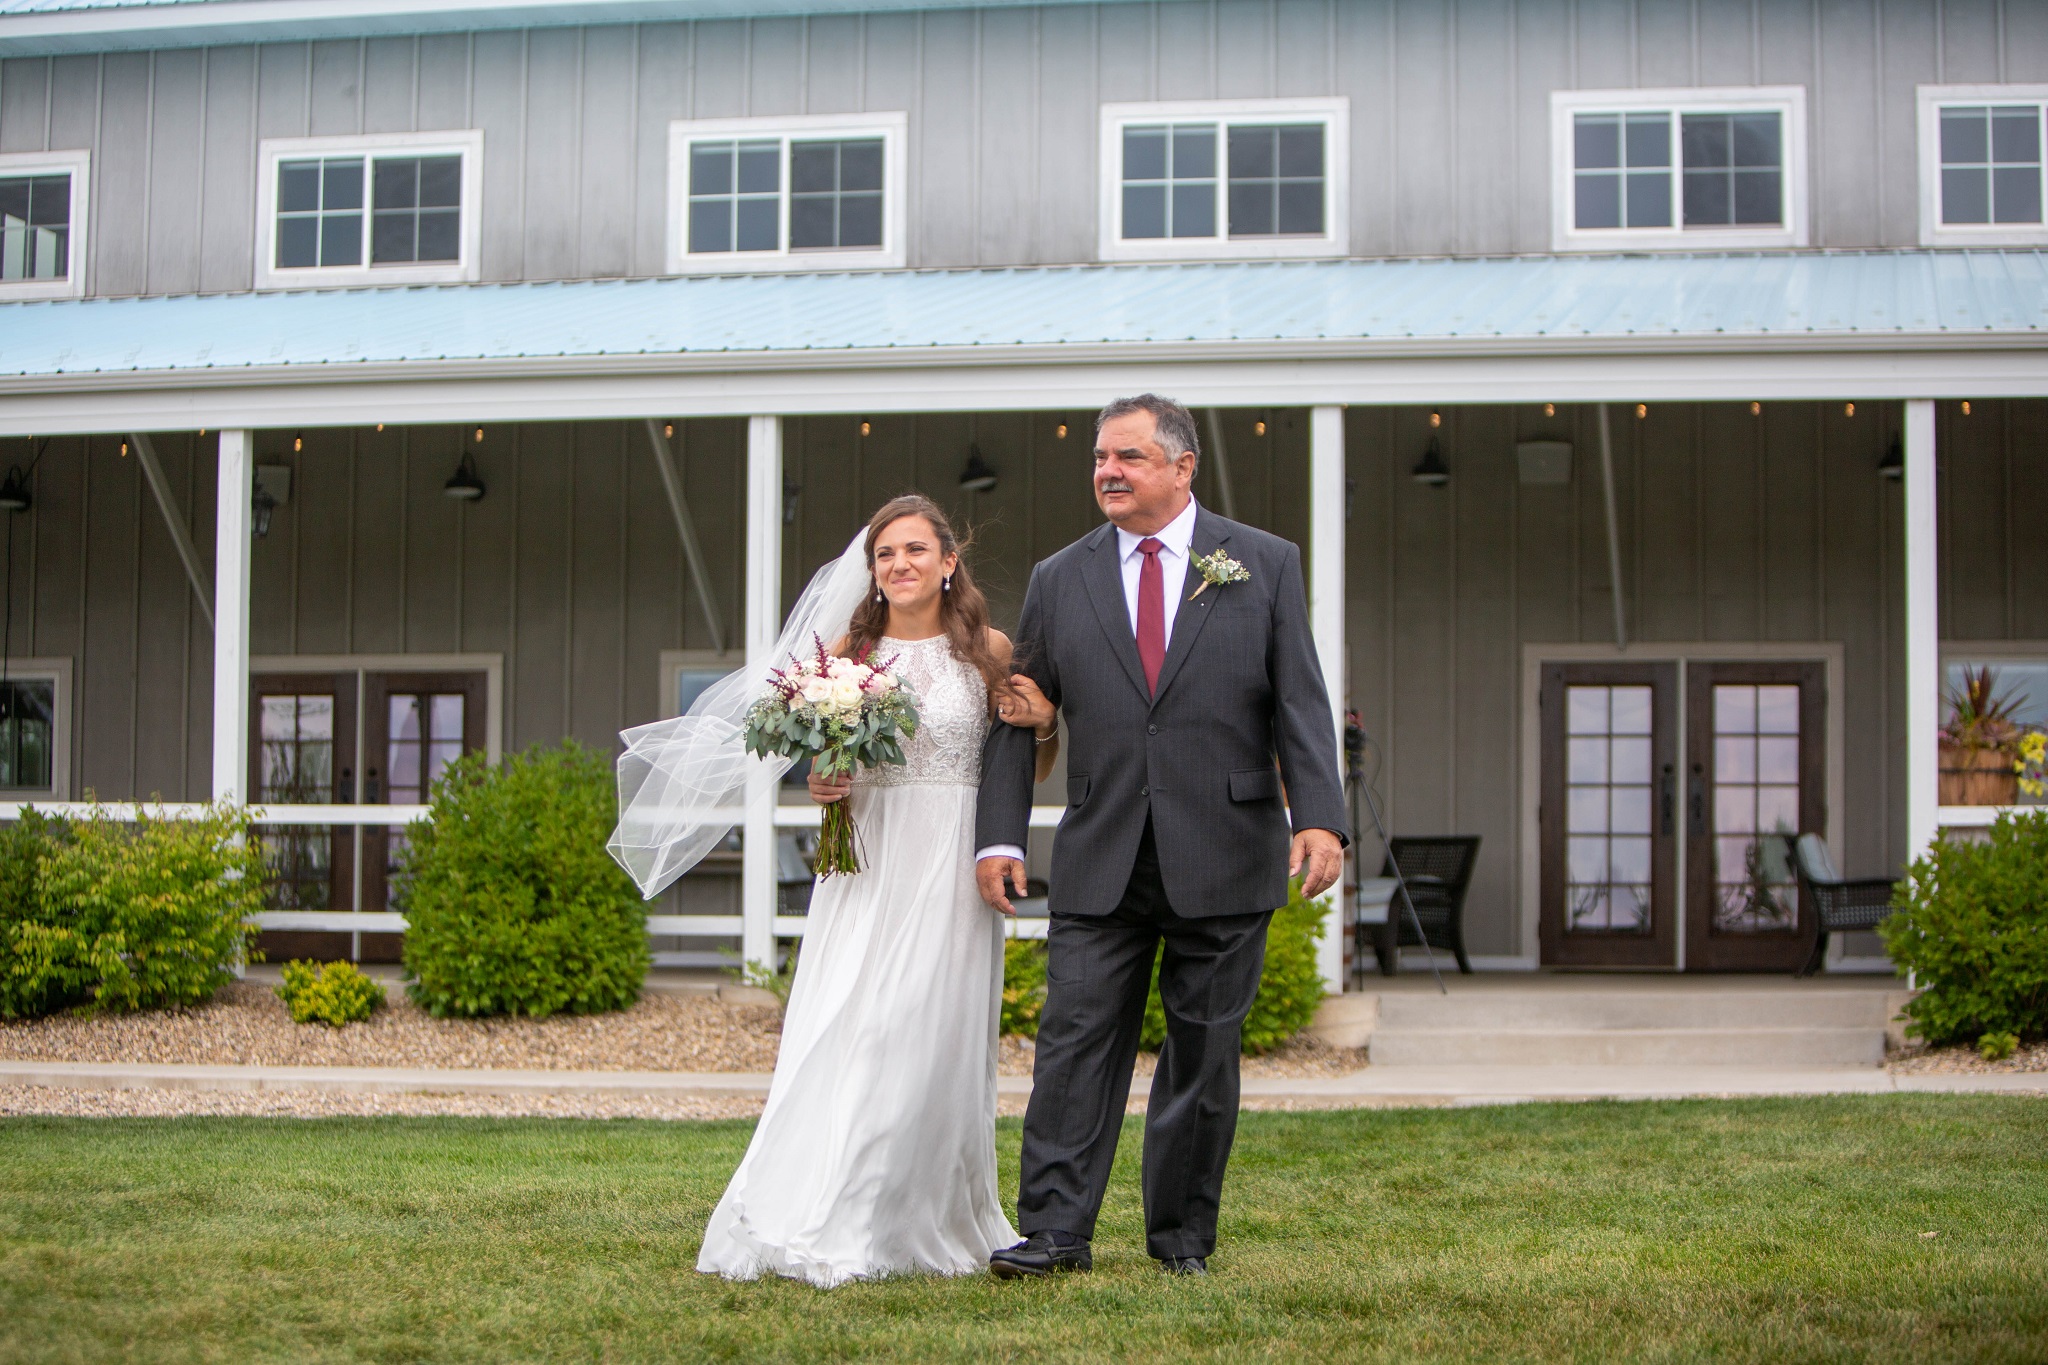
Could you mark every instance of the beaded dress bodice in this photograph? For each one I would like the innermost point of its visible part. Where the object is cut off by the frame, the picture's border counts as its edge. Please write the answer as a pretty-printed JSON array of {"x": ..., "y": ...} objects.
[{"x": 952, "y": 716}]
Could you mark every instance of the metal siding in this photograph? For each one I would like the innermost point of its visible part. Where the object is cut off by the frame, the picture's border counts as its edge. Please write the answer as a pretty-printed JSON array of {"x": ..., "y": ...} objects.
[
  {"x": 1063, "y": 155},
  {"x": 334, "y": 98},
  {"x": 609, "y": 190},
  {"x": 227, "y": 198},
  {"x": 945, "y": 189},
  {"x": 551, "y": 207},
  {"x": 24, "y": 92},
  {"x": 120, "y": 177},
  {"x": 390, "y": 80},
  {"x": 1005, "y": 88},
  {"x": 498, "y": 106},
  {"x": 177, "y": 166}
]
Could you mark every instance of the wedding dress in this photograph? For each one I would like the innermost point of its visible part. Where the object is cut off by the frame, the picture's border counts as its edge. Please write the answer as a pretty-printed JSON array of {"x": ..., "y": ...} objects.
[{"x": 875, "y": 1153}]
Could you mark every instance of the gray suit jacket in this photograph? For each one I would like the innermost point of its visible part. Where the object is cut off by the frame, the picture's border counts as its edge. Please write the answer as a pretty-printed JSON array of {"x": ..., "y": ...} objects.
[{"x": 1240, "y": 688}]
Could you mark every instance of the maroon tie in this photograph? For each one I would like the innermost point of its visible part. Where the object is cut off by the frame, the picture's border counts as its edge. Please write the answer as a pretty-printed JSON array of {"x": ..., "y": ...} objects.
[{"x": 1151, "y": 613}]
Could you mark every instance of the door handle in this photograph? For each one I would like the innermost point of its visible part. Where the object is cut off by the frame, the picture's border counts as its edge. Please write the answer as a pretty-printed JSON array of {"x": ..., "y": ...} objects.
[
  {"x": 1696, "y": 802},
  {"x": 345, "y": 790},
  {"x": 370, "y": 797},
  {"x": 1668, "y": 802}
]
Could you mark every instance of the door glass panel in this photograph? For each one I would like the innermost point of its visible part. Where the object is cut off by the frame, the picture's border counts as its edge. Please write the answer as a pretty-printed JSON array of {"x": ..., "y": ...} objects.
[
  {"x": 1756, "y": 796},
  {"x": 298, "y": 769},
  {"x": 425, "y": 736},
  {"x": 1607, "y": 809}
]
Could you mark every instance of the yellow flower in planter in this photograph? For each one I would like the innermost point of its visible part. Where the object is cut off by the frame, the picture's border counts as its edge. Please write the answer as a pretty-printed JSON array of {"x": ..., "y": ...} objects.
[{"x": 2032, "y": 763}]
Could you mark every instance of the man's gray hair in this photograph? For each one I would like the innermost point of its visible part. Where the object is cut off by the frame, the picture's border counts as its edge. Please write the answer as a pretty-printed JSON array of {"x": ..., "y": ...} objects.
[{"x": 1173, "y": 425}]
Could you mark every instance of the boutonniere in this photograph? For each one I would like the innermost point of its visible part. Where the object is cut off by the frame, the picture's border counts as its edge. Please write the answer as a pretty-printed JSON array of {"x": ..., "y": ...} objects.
[{"x": 1218, "y": 568}]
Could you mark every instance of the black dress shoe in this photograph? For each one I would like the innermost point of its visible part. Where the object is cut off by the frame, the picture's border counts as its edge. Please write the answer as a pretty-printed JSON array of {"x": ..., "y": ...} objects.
[
  {"x": 1184, "y": 1265},
  {"x": 1040, "y": 1254}
]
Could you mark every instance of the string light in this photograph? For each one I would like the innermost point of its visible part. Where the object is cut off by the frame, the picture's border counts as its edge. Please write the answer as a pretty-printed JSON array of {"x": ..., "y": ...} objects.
[
  {"x": 1756, "y": 409},
  {"x": 380, "y": 426},
  {"x": 479, "y": 435},
  {"x": 1966, "y": 407},
  {"x": 124, "y": 450},
  {"x": 867, "y": 428},
  {"x": 668, "y": 430},
  {"x": 1060, "y": 431},
  {"x": 1258, "y": 428},
  {"x": 1642, "y": 409},
  {"x": 1550, "y": 409},
  {"x": 1848, "y": 409},
  {"x": 1436, "y": 419},
  {"x": 298, "y": 443}
]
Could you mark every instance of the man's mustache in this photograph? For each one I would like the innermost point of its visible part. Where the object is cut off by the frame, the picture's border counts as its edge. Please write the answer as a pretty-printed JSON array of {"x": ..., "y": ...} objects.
[{"x": 1112, "y": 486}]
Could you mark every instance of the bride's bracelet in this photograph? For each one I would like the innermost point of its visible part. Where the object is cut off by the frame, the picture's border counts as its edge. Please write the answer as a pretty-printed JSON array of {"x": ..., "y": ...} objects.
[{"x": 1047, "y": 739}]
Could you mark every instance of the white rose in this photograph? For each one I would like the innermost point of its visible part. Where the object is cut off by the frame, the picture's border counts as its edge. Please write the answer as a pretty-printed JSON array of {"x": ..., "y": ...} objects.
[
  {"x": 841, "y": 668},
  {"x": 817, "y": 691},
  {"x": 846, "y": 693},
  {"x": 885, "y": 681}
]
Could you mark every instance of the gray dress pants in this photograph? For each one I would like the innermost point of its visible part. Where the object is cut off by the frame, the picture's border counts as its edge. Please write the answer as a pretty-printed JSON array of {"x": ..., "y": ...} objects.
[{"x": 1098, "y": 972}]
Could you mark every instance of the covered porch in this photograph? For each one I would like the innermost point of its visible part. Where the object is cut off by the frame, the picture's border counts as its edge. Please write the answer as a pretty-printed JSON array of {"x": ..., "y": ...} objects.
[{"x": 659, "y": 484}]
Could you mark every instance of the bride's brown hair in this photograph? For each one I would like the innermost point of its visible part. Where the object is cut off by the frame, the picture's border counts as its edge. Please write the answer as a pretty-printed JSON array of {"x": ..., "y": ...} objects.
[{"x": 963, "y": 611}]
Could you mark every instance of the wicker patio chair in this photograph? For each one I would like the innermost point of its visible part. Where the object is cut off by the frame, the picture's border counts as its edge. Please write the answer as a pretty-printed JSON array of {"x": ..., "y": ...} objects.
[
  {"x": 1437, "y": 870},
  {"x": 1839, "y": 903}
]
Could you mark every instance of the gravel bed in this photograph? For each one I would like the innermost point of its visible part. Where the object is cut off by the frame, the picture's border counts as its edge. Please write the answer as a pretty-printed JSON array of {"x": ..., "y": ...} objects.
[
  {"x": 246, "y": 1024},
  {"x": 327, "y": 1104},
  {"x": 1962, "y": 1057}
]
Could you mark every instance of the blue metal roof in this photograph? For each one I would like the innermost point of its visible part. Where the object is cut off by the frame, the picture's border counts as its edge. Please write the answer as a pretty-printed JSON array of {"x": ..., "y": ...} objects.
[
  {"x": 1529, "y": 304},
  {"x": 42, "y": 27}
]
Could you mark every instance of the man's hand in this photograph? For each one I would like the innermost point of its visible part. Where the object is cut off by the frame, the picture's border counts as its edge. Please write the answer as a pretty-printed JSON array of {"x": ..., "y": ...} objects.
[
  {"x": 1321, "y": 853},
  {"x": 990, "y": 876}
]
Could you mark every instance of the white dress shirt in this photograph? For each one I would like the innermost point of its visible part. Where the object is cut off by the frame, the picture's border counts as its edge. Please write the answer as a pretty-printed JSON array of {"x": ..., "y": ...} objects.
[{"x": 1175, "y": 539}]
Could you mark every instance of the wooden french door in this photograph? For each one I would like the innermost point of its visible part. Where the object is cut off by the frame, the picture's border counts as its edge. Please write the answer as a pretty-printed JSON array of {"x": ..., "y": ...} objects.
[
  {"x": 1608, "y": 819},
  {"x": 414, "y": 726},
  {"x": 1755, "y": 770},
  {"x": 302, "y": 751}
]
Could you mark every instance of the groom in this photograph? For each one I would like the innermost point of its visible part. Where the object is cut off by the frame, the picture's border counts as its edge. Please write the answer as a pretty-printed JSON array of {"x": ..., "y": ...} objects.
[{"x": 1177, "y": 644}]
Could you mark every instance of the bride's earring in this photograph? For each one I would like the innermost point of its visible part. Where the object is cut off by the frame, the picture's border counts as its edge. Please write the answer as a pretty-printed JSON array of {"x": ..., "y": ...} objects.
[
  {"x": 878, "y": 592},
  {"x": 946, "y": 583}
]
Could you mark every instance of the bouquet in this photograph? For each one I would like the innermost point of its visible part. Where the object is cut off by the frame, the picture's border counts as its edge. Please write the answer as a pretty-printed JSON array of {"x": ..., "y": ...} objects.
[{"x": 842, "y": 714}]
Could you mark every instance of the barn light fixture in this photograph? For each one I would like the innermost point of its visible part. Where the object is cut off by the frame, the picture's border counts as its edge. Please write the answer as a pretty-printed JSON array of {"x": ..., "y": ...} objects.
[
  {"x": 14, "y": 494},
  {"x": 978, "y": 476},
  {"x": 463, "y": 484},
  {"x": 1432, "y": 470},
  {"x": 1893, "y": 465}
]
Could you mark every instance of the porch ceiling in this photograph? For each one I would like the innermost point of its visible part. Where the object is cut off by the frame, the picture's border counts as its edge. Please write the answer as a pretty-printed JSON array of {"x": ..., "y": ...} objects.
[{"x": 1863, "y": 324}]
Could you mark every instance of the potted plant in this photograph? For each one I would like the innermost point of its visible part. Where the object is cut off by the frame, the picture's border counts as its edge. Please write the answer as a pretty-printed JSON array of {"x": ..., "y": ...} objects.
[{"x": 1979, "y": 743}]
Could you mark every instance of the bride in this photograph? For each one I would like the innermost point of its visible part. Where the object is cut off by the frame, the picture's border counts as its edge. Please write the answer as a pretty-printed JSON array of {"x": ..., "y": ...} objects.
[{"x": 875, "y": 1153}]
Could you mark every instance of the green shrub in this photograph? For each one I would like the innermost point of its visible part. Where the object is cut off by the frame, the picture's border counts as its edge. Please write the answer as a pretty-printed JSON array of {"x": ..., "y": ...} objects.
[
  {"x": 1290, "y": 987},
  {"x": 126, "y": 916},
  {"x": 512, "y": 904},
  {"x": 1970, "y": 921},
  {"x": 332, "y": 993},
  {"x": 1023, "y": 985},
  {"x": 1996, "y": 1047}
]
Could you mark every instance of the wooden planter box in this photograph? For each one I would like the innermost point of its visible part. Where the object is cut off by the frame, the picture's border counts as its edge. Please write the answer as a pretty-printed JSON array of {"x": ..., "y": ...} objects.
[{"x": 1977, "y": 777}]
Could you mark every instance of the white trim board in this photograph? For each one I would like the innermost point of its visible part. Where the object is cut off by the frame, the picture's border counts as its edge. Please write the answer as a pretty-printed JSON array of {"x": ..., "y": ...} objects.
[
  {"x": 616, "y": 388},
  {"x": 1528, "y": 838}
]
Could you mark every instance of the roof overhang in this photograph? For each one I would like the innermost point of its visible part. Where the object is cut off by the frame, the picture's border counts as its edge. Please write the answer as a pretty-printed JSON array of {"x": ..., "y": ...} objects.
[
  {"x": 1814, "y": 326},
  {"x": 47, "y": 27}
]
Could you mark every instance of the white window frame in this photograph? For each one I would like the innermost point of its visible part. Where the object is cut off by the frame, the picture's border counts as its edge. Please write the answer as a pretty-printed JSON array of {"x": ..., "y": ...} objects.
[
  {"x": 1933, "y": 232},
  {"x": 892, "y": 127},
  {"x": 1787, "y": 101},
  {"x": 56, "y": 671},
  {"x": 468, "y": 144},
  {"x": 676, "y": 662},
  {"x": 79, "y": 166},
  {"x": 1333, "y": 113}
]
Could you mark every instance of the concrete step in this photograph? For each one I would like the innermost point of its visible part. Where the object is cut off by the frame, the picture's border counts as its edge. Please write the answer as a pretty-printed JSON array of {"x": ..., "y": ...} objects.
[
  {"x": 1614, "y": 1046},
  {"x": 1503, "y": 1011}
]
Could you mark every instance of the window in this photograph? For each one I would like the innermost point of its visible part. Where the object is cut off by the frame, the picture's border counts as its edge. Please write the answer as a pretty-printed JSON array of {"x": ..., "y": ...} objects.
[
  {"x": 392, "y": 209},
  {"x": 42, "y": 225},
  {"x": 824, "y": 192},
  {"x": 1981, "y": 181},
  {"x": 35, "y": 744},
  {"x": 1231, "y": 178},
  {"x": 1686, "y": 169}
]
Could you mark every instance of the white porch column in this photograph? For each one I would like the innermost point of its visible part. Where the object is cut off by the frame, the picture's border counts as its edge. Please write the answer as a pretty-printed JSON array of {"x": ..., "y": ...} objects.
[
  {"x": 1326, "y": 621},
  {"x": 233, "y": 489},
  {"x": 1923, "y": 634},
  {"x": 764, "y": 623}
]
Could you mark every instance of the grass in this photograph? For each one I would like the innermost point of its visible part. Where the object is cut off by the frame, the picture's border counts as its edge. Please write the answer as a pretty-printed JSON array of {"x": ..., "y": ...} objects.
[{"x": 1740, "y": 1230}]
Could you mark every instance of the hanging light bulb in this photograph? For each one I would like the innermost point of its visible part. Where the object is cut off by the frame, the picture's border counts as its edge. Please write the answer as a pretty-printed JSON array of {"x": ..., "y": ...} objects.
[
  {"x": 1550, "y": 409},
  {"x": 978, "y": 476},
  {"x": 298, "y": 443},
  {"x": 1756, "y": 409},
  {"x": 1431, "y": 469},
  {"x": 1966, "y": 407},
  {"x": 1642, "y": 409},
  {"x": 668, "y": 430},
  {"x": 1436, "y": 419},
  {"x": 479, "y": 435},
  {"x": 124, "y": 450},
  {"x": 1060, "y": 431},
  {"x": 1848, "y": 409},
  {"x": 380, "y": 426},
  {"x": 866, "y": 427},
  {"x": 1258, "y": 428}
]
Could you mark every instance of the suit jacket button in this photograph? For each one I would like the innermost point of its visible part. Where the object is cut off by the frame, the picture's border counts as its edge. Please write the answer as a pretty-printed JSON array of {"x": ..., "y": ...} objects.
[
  {"x": 1144, "y": 791},
  {"x": 1151, "y": 729}
]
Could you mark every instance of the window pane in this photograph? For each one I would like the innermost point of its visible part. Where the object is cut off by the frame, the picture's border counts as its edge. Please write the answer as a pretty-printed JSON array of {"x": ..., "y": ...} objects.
[
  {"x": 1628, "y": 860},
  {"x": 860, "y": 165},
  {"x": 1734, "y": 759},
  {"x": 1777, "y": 758},
  {"x": 1965, "y": 195},
  {"x": 1301, "y": 151},
  {"x": 1965, "y": 135},
  {"x": 710, "y": 169},
  {"x": 1631, "y": 810},
  {"x": 1586, "y": 710},
  {"x": 27, "y": 712},
  {"x": 1759, "y": 200},
  {"x": 1756, "y": 140},
  {"x": 810, "y": 222},
  {"x": 1596, "y": 201},
  {"x": 1703, "y": 142},
  {"x": 1777, "y": 809},
  {"x": 760, "y": 169},
  {"x": 445, "y": 717},
  {"x": 1251, "y": 209},
  {"x": 1144, "y": 211},
  {"x": 403, "y": 720},
  {"x": 711, "y": 225},
  {"x": 1194, "y": 210},
  {"x": 1301, "y": 207},
  {"x": 1649, "y": 200},
  {"x": 441, "y": 182},
  {"x": 396, "y": 182},
  {"x": 1735, "y": 709},
  {"x": 1586, "y": 760},
  {"x": 391, "y": 238},
  {"x": 1586, "y": 811},
  {"x": 1649, "y": 140},
  {"x": 1631, "y": 710},
  {"x": 860, "y": 218},
  {"x": 813, "y": 167},
  {"x": 1777, "y": 709},
  {"x": 342, "y": 184},
  {"x": 1145, "y": 156},
  {"x": 1596, "y": 141},
  {"x": 1194, "y": 153},
  {"x": 298, "y": 186},
  {"x": 1734, "y": 809},
  {"x": 440, "y": 235},
  {"x": 298, "y": 242},
  {"x": 1706, "y": 199},
  {"x": 758, "y": 229},
  {"x": 2016, "y": 134},
  {"x": 2016, "y": 194},
  {"x": 1254, "y": 153},
  {"x": 1587, "y": 859},
  {"x": 1629, "y": 760},
  {"x": 341, "y": 239}
]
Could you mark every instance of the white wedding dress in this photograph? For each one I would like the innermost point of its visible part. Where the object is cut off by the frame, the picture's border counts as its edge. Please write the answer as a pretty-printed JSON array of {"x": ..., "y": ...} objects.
[{"x": 875, "y": 1154}]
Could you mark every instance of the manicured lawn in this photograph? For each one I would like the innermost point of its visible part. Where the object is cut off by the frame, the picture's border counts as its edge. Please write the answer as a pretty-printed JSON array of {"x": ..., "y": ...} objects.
[{"x": 1749, "y": 1230}]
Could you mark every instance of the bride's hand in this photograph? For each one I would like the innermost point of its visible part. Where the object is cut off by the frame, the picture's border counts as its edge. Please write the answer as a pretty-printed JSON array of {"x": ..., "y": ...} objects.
[
  {"x": 1027, "y": 708},
  {"x": 826, "y": 790}
]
